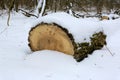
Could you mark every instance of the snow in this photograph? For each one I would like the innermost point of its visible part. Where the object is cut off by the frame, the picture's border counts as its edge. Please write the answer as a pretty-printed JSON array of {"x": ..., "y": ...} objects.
[
  {"x": 75, "y": 26},
  {"x": 17, "y": 62}
]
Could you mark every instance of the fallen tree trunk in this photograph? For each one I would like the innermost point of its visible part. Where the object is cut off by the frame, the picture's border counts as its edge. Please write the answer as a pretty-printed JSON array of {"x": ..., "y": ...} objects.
[{"x": 55, "y": 33}]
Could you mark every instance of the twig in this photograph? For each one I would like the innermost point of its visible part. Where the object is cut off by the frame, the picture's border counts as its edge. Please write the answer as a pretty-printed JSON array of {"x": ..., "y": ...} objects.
[
  {"x": 28, "y": 14},
  {"x": 3, "y": 30},
  {"x": 109, "y": 50},
  {"x": 8, "y": 18}
]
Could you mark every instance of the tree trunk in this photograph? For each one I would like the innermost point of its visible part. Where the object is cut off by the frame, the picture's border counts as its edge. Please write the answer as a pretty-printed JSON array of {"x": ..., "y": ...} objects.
[
  {"x": 40, "y": 8},
  {"x": 10, "y": 9}
]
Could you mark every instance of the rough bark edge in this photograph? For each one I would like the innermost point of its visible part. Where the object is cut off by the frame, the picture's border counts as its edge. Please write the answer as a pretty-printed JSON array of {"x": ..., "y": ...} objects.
[
  {"x": 97, "y": 42},
  {"x": 64, "y": 29}
]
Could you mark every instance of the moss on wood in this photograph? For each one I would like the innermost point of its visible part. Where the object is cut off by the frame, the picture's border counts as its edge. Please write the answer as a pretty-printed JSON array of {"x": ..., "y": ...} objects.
[{"x": 82, "y": 50}]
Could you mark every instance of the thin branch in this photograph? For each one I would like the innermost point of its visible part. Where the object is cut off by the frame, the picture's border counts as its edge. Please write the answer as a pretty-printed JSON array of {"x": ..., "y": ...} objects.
[
  {"x": 109, "y": 50},
  {"x": 43, "y": 8},
  {"x": 28, "y": 14},
  {"x": 8, "y": 18},
  {"x": 3, "y": 30},
  {"x": 10, "y": 9}
]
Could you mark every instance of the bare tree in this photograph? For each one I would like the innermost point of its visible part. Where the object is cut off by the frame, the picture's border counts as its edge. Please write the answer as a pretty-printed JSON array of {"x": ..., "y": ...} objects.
[
  {"x": 10, "y": 9},
  {"x": 40, "y": 7}
]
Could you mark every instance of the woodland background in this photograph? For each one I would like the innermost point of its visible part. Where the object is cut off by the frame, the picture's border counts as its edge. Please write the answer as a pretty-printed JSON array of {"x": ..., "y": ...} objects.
[{"x": 62, "y": 5}]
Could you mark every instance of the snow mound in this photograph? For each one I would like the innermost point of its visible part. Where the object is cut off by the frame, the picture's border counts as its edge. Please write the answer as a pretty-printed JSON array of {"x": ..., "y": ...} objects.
[
  {"x": 51, "y": 60},
  {"x": 52, "y": 65},
  {"x": 80, "y": 29},
  {"x": 48, "y": 57}
]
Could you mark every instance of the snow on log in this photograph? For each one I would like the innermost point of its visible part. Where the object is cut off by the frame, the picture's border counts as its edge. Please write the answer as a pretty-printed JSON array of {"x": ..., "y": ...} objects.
[{"x": 62, "y": 32}]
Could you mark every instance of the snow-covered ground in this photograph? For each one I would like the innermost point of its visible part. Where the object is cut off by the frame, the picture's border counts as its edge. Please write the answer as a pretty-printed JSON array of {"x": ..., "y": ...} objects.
[{"x": 17, "y": 62}]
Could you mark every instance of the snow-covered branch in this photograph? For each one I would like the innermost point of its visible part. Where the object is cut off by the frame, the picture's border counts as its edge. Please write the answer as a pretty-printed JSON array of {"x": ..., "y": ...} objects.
[{"x": 40, "y": 8}]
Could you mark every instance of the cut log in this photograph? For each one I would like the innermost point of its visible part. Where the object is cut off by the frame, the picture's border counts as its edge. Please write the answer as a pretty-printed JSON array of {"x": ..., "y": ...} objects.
[
  {"x": 50, "y": 37},
  {"x": 104, "y": 18},
  {"x": 74, "y": 38}
]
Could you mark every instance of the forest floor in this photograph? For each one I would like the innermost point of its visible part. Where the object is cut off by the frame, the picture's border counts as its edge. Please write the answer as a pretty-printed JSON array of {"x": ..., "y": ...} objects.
[{"x": 17, "y": 62}]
